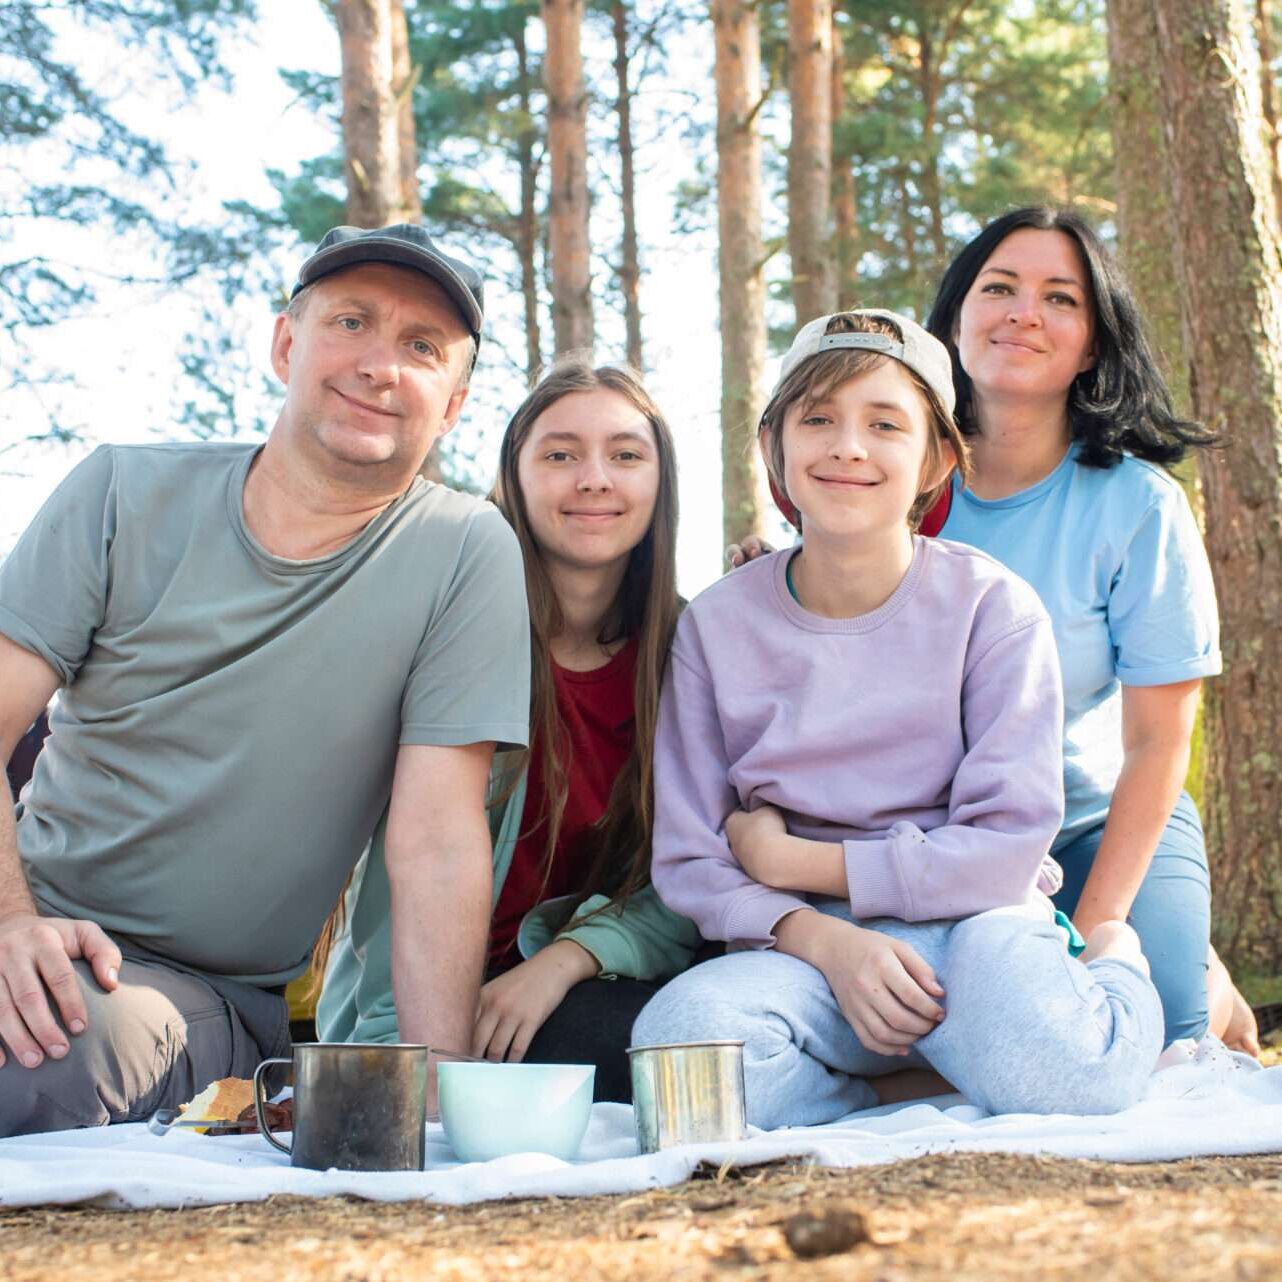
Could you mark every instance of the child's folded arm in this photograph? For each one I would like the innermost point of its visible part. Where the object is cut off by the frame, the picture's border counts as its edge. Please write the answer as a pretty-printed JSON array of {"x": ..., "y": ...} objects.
[
  {"x": 692, "y": 866},
  {"x": 769, "y": 854},
  {"x": 1007, "y": 800}
]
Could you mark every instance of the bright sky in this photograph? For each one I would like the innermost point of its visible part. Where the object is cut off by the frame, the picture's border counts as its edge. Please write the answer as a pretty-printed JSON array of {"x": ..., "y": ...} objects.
[{"x": 125, "y": 354}]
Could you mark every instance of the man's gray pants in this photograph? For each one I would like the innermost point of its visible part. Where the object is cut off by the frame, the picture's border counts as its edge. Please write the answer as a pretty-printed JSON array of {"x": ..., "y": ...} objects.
[{"x": 157, "y": 1041}]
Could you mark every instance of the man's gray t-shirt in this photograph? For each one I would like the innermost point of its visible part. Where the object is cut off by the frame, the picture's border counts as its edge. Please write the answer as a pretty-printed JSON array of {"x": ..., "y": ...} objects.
[{"x": 225, "y": 739}]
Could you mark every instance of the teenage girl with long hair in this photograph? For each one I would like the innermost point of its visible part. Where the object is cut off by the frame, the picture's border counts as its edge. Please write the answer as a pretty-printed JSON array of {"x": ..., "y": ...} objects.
[{"x": 579, "y": 940}]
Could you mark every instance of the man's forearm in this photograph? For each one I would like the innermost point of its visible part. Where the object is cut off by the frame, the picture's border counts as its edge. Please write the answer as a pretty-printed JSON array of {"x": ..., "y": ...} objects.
[
  {"x": 27, "y": 683},
  {"x": 15, "y": 894},
  {"x": 440, "y": 928}
]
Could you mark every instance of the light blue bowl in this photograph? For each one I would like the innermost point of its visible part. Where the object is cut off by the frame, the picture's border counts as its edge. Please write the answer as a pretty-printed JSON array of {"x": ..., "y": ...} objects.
[{"x": 491, "y": 1110}]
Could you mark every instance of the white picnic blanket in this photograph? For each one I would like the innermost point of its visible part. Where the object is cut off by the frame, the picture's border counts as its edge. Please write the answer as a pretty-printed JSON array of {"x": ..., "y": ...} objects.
[{"x": 1202, "y": 1101}]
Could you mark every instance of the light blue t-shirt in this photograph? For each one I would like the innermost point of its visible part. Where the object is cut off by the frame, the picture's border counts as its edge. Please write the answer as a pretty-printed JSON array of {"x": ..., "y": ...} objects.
[{"x": 1117, "y": 559}]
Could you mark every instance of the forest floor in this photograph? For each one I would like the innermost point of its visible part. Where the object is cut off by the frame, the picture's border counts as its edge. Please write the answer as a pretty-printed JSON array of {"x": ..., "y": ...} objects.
[{"x": 960, "y": 1218}]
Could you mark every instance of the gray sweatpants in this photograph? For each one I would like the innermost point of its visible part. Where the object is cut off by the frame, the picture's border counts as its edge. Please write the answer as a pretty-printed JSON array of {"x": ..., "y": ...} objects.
[
  {"x": 158, "y": 1040},
  {"x": 1027, "y": 1028}
]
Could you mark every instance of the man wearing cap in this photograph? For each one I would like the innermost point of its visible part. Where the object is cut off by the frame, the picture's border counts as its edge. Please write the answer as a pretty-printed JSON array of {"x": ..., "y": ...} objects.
[{"x": 257, "y": 649}]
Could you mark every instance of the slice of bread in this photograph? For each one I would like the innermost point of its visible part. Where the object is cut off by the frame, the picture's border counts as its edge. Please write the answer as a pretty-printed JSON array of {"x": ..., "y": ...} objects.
[{"x": 221, "y": 1101}]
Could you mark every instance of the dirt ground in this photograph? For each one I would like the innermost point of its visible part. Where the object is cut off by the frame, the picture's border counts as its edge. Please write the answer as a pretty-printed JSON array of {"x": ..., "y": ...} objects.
[{"x": 961, "y": 1218}]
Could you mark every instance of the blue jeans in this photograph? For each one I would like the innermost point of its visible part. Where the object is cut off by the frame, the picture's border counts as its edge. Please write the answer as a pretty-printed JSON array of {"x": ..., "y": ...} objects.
[
  {"x": 1028, "y": 1029},
  {"x": 1171, "y": 913}
]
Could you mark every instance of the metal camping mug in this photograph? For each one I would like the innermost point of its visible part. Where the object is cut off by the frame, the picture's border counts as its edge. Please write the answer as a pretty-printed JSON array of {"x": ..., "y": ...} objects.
[
  {"x": 687, "y": 1093},
  {"x": 356, "y": 1107}
]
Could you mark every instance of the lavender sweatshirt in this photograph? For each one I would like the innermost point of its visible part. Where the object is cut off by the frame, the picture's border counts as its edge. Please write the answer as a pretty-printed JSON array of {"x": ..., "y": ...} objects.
[{"x": 925, "y": 737}]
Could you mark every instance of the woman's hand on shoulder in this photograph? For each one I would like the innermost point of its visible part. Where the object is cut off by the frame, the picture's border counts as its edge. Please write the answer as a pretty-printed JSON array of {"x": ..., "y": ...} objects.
[
  {"x": 750, "y": 549},
  {"x": 516, "y": 1004}
]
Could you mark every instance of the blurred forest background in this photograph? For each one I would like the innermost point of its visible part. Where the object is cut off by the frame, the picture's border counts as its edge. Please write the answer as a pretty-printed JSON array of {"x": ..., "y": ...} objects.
[{"x": 818, "y": 154}]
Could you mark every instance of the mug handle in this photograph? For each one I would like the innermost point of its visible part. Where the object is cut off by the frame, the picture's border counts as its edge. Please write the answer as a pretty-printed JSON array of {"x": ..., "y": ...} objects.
[{"x": 258, "y": 1103}]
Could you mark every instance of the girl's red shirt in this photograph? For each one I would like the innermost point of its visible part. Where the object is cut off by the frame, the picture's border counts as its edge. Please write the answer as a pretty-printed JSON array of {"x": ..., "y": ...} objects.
[{"x": 598, "y": 712}]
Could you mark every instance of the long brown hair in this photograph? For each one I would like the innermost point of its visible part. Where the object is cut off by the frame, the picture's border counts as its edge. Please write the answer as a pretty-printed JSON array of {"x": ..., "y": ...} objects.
[{"x": 645, "y": 608}]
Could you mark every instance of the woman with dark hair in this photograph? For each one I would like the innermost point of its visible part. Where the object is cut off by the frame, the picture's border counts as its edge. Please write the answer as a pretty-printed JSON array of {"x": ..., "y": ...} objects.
[
  {"x": 579, "y": 940},
  {"x": 1071, "y": 427}
]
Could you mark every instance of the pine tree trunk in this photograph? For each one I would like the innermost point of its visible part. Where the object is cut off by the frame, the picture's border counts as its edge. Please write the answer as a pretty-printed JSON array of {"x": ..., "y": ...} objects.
[
  {"x": 844, "y": 207},
  {"x": 1145, "y": 218},
  {"x": 399, "y": 121},
  {"x": 931, "y": 187},
  {"x": 528, "y": 224},
  {"x": 739, "y": 261},
  {"x": 568, "y": 157},
  {"x": 1146, "y": 230},
  {"x": 814, "y": 290},
  {"x": 404, "y": 78},
  {"x": 1228, "y": 270},
  {"x": 1269, "y": 93},
  {"x": 630, "y": 261},
  {"x": 371, "y": 145}
]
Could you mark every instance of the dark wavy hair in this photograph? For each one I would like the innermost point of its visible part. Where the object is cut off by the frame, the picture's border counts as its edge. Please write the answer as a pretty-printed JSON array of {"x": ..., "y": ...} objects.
[{"x": 1121, "y": 405}]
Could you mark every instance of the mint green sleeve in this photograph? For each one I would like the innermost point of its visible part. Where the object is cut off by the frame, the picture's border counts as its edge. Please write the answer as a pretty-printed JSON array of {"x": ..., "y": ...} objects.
[
  {"x": 357, "y": 1004},
  {"x": 644, "y": 939}
]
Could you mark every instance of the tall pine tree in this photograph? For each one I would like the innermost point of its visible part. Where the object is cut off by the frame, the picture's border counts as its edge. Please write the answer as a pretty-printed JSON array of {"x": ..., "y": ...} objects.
[{"x": 1227, "y": 266}]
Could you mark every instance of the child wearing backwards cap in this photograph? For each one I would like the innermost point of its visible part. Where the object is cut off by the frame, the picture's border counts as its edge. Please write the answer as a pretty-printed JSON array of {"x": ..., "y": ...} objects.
[{"x": 858, "y": 779}]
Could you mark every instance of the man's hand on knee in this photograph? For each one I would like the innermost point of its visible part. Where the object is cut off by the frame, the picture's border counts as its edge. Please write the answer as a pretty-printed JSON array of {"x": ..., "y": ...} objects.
[{"x": 35, "y": 966}]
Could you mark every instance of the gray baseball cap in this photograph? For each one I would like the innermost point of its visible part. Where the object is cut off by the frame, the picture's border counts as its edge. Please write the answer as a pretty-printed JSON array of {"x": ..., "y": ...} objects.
[
  {"x": 407, "y": 245},
  {"x": 923, "y": 353}
]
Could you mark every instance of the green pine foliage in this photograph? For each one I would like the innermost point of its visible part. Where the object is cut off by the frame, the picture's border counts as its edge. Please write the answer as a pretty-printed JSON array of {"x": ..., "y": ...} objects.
[
  {"x": 469, "y": 121},
  {"x": 1019, "y": 96},
  {"x": 955, "y": 110},
  {"x": 97, "y": 173}
]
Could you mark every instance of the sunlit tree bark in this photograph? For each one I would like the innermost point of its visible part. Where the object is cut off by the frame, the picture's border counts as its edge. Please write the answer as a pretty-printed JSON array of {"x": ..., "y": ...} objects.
[
  {"x": 528, "y": 220},
  {"x": 567, "y": 156},
  {"x": 629, "y": 257},
  {"x": 404, "y": 78},
  {"x": 1228, "y": 271},
  {"x": 1146, "y": 220},
  {"x": 844, "y": 208},
  {"x": 740, "y": 260},
  {"x": 1269, "y": 93},
  {"x": 810, "y": 232},
  {"x": 371, "y": 139}
]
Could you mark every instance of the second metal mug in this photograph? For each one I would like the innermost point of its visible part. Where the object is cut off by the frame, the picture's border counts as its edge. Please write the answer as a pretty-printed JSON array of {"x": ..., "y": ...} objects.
[
  {"x": 687, "y": 1093},
  {"x": 356, "y": 1107}
]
